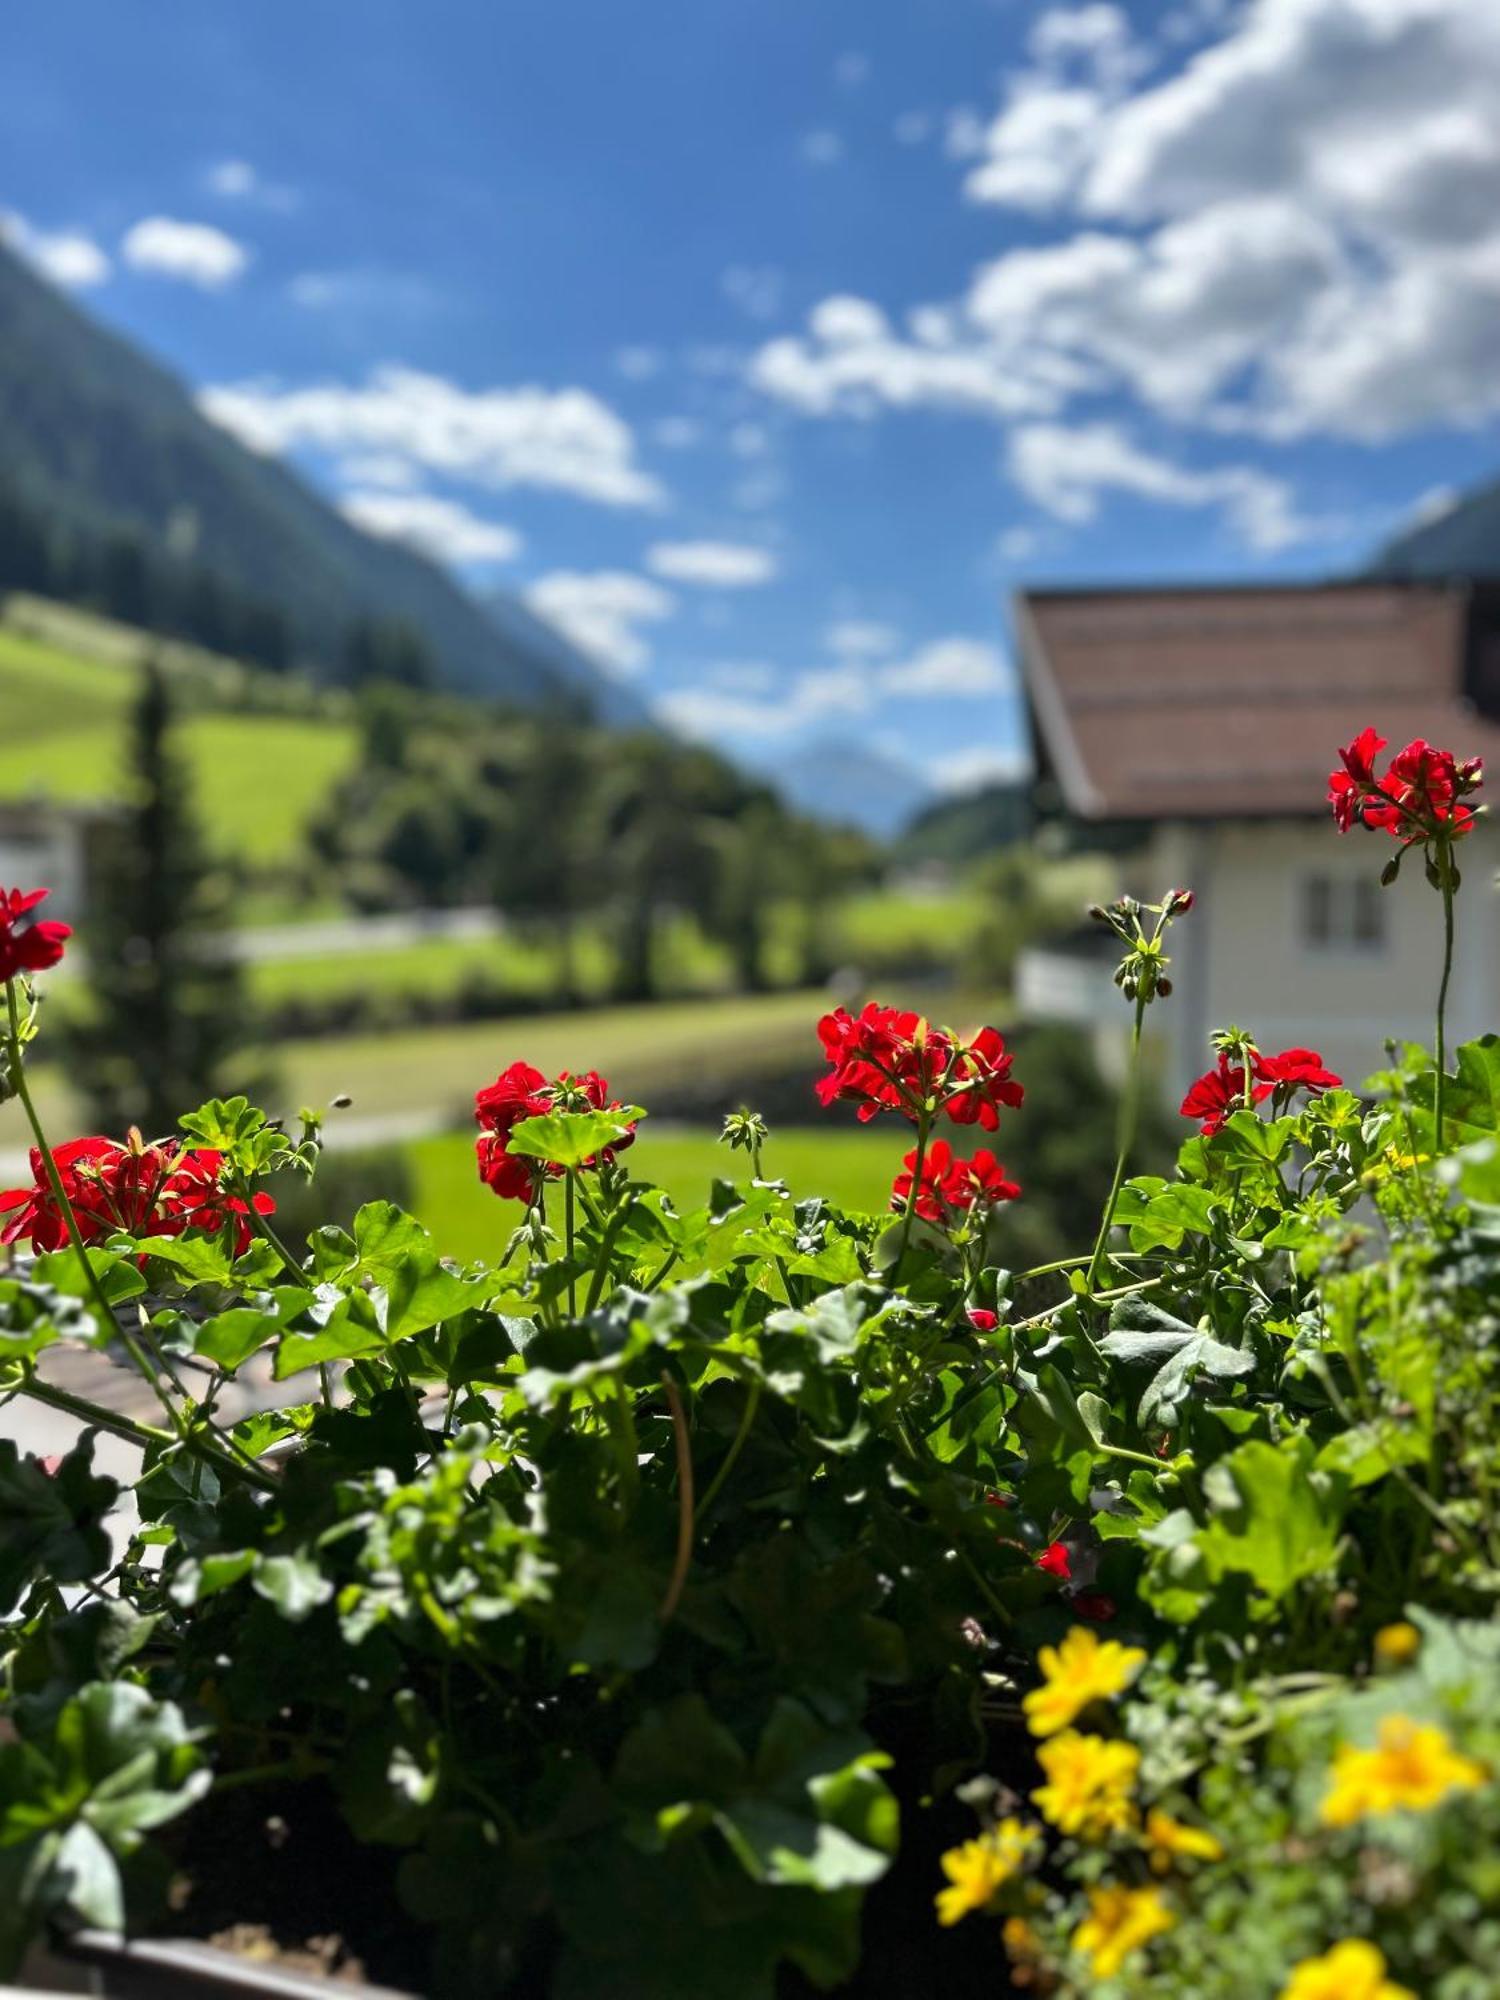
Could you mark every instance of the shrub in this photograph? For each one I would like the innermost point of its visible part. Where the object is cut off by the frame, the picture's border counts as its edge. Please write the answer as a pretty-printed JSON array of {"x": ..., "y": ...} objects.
[{"x": 673, "y": 1601}]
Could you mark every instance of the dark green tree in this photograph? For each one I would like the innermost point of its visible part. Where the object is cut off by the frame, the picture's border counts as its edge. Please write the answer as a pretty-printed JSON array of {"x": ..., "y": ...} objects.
[{"x": 166, "y": 1020}]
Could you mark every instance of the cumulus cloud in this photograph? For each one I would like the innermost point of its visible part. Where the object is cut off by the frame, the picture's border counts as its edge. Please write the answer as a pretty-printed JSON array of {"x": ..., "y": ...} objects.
[
  {"x": 853, "y": 362},
  {"x": 563, "y": 439},
  {"x": 1069, "y": 471},
  {"x": 955, "y": 668},
  {"x": 444, "y": 529},
  {"x": 602, "y": 612},
  {"x": 193, "y": 252},
  {"x": 1295, "y": 232},
  {"x": 66, "y": 257},
  {"x": 861, "y": 638},
  {"x": 985, "y": 764},
  {"x": 716, "y": 565}
]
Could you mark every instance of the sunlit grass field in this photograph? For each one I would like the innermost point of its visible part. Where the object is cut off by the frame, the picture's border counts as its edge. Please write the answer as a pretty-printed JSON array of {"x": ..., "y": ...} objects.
[
  {"x": 64, "y": 738},
  {"x": 850, "y": 1167}
]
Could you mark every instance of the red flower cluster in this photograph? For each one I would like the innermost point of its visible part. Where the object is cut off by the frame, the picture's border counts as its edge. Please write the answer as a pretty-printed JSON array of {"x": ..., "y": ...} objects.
[
  {"x": 884, "y": 1059},
  {"x": 31, "y": 946},
  {"x": 523, "y": 1092},
  {"x": 1053, "y": 1561},
  {"x": 1214, "y": 1096},
  {"x": 142, "y": 1189},
  {"x": 1420, "y": 794},
  {"x": 950, "y": 1185}
]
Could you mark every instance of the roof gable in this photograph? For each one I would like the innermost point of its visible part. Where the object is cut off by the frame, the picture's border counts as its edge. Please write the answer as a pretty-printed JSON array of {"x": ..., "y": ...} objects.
[{"x": 1210, "y": 704}]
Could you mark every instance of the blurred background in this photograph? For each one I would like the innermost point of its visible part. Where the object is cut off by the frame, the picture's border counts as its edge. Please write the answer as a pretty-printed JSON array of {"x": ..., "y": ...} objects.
[{"x": 584, "y": 533}]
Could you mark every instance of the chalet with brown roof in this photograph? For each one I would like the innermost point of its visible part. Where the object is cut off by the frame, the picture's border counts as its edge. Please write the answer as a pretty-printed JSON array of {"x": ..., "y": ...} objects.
[{"x": 1206, "y": 721}]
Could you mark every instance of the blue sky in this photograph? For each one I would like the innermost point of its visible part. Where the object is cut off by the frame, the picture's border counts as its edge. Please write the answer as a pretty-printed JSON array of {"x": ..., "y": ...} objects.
[{"x": 767, "y": 344}]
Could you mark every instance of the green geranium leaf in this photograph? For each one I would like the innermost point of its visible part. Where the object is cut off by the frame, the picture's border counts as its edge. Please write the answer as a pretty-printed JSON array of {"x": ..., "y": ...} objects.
[{"x": 569, "y": 1138}]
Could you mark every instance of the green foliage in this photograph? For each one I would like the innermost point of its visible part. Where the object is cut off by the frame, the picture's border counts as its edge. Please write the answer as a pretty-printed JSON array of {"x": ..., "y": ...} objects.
[{"x": 646, "y": 1587}]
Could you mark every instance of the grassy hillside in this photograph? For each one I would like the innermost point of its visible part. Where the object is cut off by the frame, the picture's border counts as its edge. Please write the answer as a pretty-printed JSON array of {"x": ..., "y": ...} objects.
[
  {"x": 851, "y": 1168},
  {"x": 258, "y": 778},
  {"x": 98, "y": 439}
]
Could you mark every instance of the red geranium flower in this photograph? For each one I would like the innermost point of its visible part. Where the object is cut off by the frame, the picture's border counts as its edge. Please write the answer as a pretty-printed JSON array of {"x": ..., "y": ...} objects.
[
  {"x": 27, "y": 947},
  {"x": 1298, "y": 1069},
  {"x": 985, "y": 1180},
  {"x": 193, "y": 1198},
  {"x": 1421, "y": 793},
  {"x": 982, "y": 1319},
  {"x": 108, "y": 1186},
  {"x": 944, "y": 1183},
  {"x": 884, "y": 1059},
  {"x": 1218, "y": 1093},
  {"x": 984, "y": 1082},
  {"x": 1054, "y": 1561},
  {"x": 523, "y": 1092}
]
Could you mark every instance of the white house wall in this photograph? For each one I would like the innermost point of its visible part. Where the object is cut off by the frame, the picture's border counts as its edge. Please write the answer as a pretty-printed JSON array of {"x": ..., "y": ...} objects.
[{"x": 1242, "y": 955}]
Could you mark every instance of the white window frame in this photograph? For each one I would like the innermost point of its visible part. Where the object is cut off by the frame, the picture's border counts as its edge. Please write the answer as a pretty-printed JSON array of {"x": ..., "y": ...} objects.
[{"x": 1339, "y": 913}]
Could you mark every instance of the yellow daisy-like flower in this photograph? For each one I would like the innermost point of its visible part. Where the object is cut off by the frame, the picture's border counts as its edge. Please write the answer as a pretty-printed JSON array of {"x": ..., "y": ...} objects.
[
  {"x": 1353, "y": 1970},
  {"x": 1397, "y": 1645},
  {"x": 1119, "y": 1922},
  {"x": 1089, "y": 1782},
  {"x": 1170, "y": 1840},
  {"x": 1413, "y": 1766},
  {"x": 1083, "y": 1669},
  {"x": 979, "y": 1867}
]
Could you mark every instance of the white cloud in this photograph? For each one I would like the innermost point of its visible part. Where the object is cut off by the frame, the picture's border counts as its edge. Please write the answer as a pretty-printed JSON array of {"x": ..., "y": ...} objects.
[
  {"x": 852, "y": 69},
  {"x": 566, "y": 440},
  {"x": 749, "y": 440},
  {"x": 853, "y": 362},
  {"x": 1020, "y": 544},
  {"x": 601, "y": 611},
  {"x": 715, "y": 565},
  {"x": 66, "y": 257},
  {"x": 194, "y": 252},
  {"x": 1297, "y": 232},
  {"x": 638, "y": 364},
  {"x": 1069, "y": 471},
  {"x": 969, "y": 770},
  {"x": 714, "y": 713},
  {"x": 757, "y": 289},
  {"x": 860, "y": 638},
  {"x": 440, "y": 528},
  {"x": 384, "y": 469},
  {"x": 956, "y": 666},
  {"x": 823, "y": 148},
  {"x": 238, "y": 180},
  {"x": 912, "y": 127}
]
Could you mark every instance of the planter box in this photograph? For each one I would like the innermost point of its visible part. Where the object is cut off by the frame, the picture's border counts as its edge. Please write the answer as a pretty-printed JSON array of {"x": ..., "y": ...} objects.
[{"x": 117, "y": 1968}]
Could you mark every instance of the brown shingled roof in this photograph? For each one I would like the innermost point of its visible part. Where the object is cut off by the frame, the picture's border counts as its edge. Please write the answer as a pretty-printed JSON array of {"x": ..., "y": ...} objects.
[{"x": 1211, "y": 704}]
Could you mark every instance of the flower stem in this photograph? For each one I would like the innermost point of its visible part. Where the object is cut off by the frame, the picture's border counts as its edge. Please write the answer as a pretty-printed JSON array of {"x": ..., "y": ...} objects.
[
  {"x": 731, "y": 1457},
  {"x": 1130, "y": 1105},
  {"x": 568, "y": 1219},
  {"x": 108, "y": 1322},
  {"x": 1445, "y": 869},
  {"x": 94, "y": 1414},
  {"x": 685, "y": 1514},
  {"x": 919, "y": 1160}
]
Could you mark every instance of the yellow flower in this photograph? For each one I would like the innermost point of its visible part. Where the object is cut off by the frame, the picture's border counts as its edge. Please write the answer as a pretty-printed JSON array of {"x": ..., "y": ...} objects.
[
  {"x": 1089, "y": 1781},
  {"x": 1169, "y": 1841},
  {"x": 1119, "y": 1922},
  {"x": 1353, "y": 1970},
  {"x": 1414, "y": 1765},
  {"x": 980, "y": 1867},
  {"x": 1397, "y": 1645},
  {"x": 1083, "y": 1669}
]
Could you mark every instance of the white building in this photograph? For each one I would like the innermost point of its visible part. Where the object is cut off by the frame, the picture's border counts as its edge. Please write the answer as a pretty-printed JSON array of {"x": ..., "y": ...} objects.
[
  {"x": 1192, "y": 731},
  {"x": 48, "y": 847}
]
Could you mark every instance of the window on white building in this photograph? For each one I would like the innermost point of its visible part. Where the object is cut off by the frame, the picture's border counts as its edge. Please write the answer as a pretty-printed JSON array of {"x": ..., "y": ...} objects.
[{"x": 1343, "y": 913}]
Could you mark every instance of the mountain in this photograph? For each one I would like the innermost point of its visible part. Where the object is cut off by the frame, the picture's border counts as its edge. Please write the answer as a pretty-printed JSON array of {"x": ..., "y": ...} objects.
[
  {"x": 520, "y": 627},
  {"x": 964, "y": 826},
  {"x": 102, "y": 440},
  {"x": 1461, "y": 542},
  {"x": 850, "y": 785}
]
